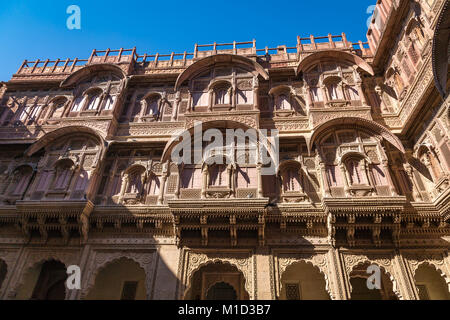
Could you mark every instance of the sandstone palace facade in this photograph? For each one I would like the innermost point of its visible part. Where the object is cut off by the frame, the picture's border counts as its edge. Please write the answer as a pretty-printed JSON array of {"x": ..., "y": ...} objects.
[{"x": 363, "y": 179}]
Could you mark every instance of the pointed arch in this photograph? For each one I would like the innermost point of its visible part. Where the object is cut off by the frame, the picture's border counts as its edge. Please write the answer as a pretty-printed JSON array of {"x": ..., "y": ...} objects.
[
  {"x": 335, "y": 55},
  {"x": 58, "y": 133},
  {"x": 91, "y": 70},
  {"x": 207, "y": 62},
  {"x": 358, "y": 122}
]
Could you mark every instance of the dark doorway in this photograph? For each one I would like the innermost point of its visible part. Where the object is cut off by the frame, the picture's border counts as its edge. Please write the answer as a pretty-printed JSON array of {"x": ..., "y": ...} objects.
[
  {"x": 51, "y": 284},
  {"x": 221, "y": 291},
  {"x": 3, "y": 270}
]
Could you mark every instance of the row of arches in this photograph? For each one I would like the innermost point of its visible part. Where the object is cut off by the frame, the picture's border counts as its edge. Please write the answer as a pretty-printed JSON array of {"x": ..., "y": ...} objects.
[
  {"x": 125, "y": 279},
  {"x": 352, "y": 160}
]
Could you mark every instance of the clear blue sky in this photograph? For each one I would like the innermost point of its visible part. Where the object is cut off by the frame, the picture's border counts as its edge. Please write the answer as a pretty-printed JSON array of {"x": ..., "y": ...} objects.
[{"x": 31, "y": 29}]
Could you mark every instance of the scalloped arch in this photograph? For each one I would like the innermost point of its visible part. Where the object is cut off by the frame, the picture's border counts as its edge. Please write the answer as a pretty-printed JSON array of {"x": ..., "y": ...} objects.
[
  {"x": 317, "y": 268},
  {"x": 211, "y": 262},
  {"x": 395, "y": 286},
  {"x": 93, "y": 276}
]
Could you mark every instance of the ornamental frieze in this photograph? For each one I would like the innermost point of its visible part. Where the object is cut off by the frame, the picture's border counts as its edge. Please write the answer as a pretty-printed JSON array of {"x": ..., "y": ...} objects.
[
  {"x": 319, "y": 117},
  {"x": 251, "y": 120}
]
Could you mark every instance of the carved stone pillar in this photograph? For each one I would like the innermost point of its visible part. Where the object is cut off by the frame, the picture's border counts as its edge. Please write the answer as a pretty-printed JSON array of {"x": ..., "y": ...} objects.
[
  {"x": 416, "y": 193},
  {"x": 260, "y": 192},
  {"x": 161, "y": 190},
  {"x": 256, "y": 94},
  {"x": 73, "y": 180},
  {"x": 204, "y": 181},
  {"x": 123, "y": 188},
  {"x": 176, "y": 105},
  {"x": 132, "y": 106},
  {"x": 385, "y": 165},
  {"x": 211, "y": 99},
  {"x": 190, "y": 102},
  {"x": 324, "y": 94},
  {"x": 165, "y": 173},
  {"x": 325, "y": 187},
  {"x": 309, "y": 102},
  {"x": 347, "y": 179},
  {"x": 361, "y": 94}
]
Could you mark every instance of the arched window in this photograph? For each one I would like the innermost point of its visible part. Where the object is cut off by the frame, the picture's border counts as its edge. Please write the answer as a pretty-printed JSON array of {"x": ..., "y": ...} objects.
[
  {"x": 355, "y": 171},
  {"x": 64, "y": 170},
  {"x": 282, "y": 102},
  {"x": 93, "y": 100},
  {"x": 152, "y": 106},
  {"x": 135, "y": 181},
  {"x": 217, "y": 175},
  {"x": 316, "y": 94},
  {"x": 291, "y": 179},
  {"x": 78, "y": 104},
  {"x": 334, "y": 92},
  {"x": 58, "y": 108},
  {"x": 154, "y": 185},
  {"x": 110, "y": 102},
  {"x": 34, "y": 114},
  {"x": 222, "y": 96},
  {"x": 429, "y": 160},
  {"x": 21, "y": 178}
]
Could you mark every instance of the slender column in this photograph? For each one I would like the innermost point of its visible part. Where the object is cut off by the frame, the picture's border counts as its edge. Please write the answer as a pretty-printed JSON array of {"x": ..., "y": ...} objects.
[
  {"x": 211, "y": 99},
  {"x": 309, "y": 101},
  {"x": 260, "y": 192},
  {"x": 325, "y": 187},
  {"x": 389, "y": 177},
  {"x": 124, "y": 187},
  {"x": 132, "y": 106},
  {"x": 204, "y": 180},
  {"x": 324, "y": 94},
  {"x": 176, "y": 106},
  {"x": 256, "y": 105},
  {"x": 161, "y": 190},
  {"x": 232, "y": 93},
  {"x": 347, "y": 179},
  {"x": 178, "y": 185},
  {"x": 409, "y": 171},
  {"x": 339, "y": 286},
  {"x": 73, "y": 181},
  {"x": 110, "y": 181},
  {"x": 359, "y": 88}
]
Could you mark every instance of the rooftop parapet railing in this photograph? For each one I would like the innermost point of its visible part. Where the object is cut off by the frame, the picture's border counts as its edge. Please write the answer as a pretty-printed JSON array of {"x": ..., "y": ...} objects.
[
  {"x": 113, "y": 56},
  {"x": 180, "y": 60},
  {"x": 241, "y": 48},
  {"x": 70, "y": 65},
  {"x": 51, "y": 66},
  {"x": 164, "y": 60}
]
